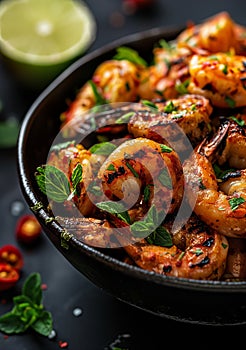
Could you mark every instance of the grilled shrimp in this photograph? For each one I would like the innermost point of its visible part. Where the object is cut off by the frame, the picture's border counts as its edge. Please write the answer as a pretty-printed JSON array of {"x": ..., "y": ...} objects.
[
  {"x": 166, "y": 76},
  {"x": 219, "y": 197},
  {"x": 220, "y": 78},
  {"x": 217, "y": 34},
  {"x": 191, "y": 113},
  {"x": 142, "y": 170},
  {"x": 115, "y": 81},
  {"x": 198, "y": 253},
  {"x": 66, "y": 159}
]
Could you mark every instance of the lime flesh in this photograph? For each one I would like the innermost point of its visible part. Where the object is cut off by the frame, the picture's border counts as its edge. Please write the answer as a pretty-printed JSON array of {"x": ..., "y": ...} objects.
[{"x": 43, "y": 36}]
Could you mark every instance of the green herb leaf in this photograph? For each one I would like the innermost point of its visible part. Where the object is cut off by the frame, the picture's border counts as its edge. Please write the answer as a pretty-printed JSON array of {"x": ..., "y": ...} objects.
[
  {"x": 99, "y": 99},
  {"x": 126, "y": 53},
  {"x": 103, "y": 148},
  {"x": 11, "y": 323},
  {"x": 76, "y": 178},
  {"x": 235, "y": 202},
  {"x": 197, "y": 251},
  {"x": 21, "y": 302},
  {"x": 165, "y": 44},
  {"x": 160, "y": 237},
  {"x": 170, "y": 107},
  {"x": 213, "y": 58},
  {"x": 166, "y": 149},
  {"x": 225, "y": 69},
  {"x": 43, "y": 325},
  {"x": 201, "y": 185},
  {"x": 124, "y": 118},
  {"x": 181, "y": 88},
  {"x": 115, "y": 208},
  {"x": 129, "y": 166},
  {"x": 147, "y": 193},
  {"x": 231, "y": 103},
  {"x": 149, "y": 104},
  {"x": 111, "y": 167},
  {"x": 141, "y": 229},
  {"x": 165, "y": 178},
  {"x": 220, "y": 173},
  {"x": 32, "y": 288},
  {"x": 53, "y": 182},
  {"x": 28, "y": 310},
  {"x": 238, "y": 121},
  {"x": 146, "y": 226}
]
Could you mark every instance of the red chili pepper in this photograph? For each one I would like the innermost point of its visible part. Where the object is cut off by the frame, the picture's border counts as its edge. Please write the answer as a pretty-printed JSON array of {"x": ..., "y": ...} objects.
[
  {"x": 12, "y": 256},
  {"x": 28, "y": 229},
  {"x": 8, "y": 276}
]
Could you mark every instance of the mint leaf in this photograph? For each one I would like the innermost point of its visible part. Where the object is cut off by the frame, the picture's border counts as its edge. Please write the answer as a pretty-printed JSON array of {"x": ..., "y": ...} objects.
[
  {"x": 126, "y": 53},
  {"x": 118, "y": 209},
  {"x": 165, "y": 178},
  {"x": 103, "y": 148},
  {"x": 11, "y": 323},
  {"x": 43, "y": 325},
  {"x": 160, "y": 237},
  {"x": 99, "y": 99},
  {"x": 32, "y": 288},
  {"x": 21, "y": 302},
  {"x": 77, "y": 178},
  {"x": 53, "y": 182},
  {"x": 28, "y": 310}
]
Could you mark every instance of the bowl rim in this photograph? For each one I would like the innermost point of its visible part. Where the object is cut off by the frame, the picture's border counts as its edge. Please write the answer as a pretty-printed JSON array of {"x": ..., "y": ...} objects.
[{"x": 56, "y": 228}]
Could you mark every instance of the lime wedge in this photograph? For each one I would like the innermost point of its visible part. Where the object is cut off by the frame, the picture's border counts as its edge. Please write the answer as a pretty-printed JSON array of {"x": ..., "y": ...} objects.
[{"x": 40, "y": 38}]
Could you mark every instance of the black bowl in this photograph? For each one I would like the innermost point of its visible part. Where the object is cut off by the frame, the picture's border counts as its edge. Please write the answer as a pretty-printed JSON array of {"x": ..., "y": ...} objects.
[{"x": 193, "y": 301}]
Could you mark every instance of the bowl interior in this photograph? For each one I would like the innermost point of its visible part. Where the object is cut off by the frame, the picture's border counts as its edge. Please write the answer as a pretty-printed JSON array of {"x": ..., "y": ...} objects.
[{"x": 135, "y": 286}]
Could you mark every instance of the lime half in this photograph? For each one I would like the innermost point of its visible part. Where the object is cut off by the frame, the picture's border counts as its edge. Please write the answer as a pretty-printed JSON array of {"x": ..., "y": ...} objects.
[{"x": 40, "y": 38}]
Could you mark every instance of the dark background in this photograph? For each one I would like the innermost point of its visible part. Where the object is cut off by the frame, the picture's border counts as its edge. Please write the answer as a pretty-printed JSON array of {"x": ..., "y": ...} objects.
[{"x": 105, "y": 322}]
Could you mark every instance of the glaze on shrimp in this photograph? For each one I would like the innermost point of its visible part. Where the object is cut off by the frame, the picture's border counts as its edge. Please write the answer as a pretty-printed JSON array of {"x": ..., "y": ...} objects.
[
  {"x": 220, "y": 78},
  {"x": 190, "y": 113},
  {"x": 219, "y": 203},
  {"x": 141, "y": 163}
]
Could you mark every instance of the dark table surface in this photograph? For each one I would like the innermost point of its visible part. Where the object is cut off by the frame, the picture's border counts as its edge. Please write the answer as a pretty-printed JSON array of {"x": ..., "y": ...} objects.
[{"x": 105, "y": 322}]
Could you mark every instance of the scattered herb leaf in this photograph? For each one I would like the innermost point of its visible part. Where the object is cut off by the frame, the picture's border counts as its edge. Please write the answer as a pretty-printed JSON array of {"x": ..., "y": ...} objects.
[{"x": 28, "y": 310}]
